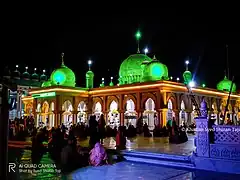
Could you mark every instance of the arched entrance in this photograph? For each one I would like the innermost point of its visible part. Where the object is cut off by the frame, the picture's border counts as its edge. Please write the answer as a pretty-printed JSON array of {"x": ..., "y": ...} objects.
[
  {"x": 130, "y": 115},
  {"x": 113, "y": 115},
  {"x": 98, "y": 110},
  {"x": 149, "y": 115},
  {"x": 214, "y": 113},
  {"x": 193, "y": 115},
  {"x": 67, "y": 114},
  {"x": 51, "y": 115},
  {"x": 39, "y": 118},
  {"x": 44, "y": 114},
  {"x": 170, "y": 113},
  {"x": 183, "y": 115},
  {"x": 82, "y": 115}
]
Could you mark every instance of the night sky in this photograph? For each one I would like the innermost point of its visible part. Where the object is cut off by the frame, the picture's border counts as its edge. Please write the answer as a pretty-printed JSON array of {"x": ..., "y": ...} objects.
[{"x": 108, "y": 40}]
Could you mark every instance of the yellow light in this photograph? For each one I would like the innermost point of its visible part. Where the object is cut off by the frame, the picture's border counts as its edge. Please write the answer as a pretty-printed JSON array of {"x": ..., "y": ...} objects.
[
  {"x": 57, "y": 90},
  {"x": 137, "y": 87},
  {"x": 162, "y": 84},
  {"x": 27, "y": 98}
]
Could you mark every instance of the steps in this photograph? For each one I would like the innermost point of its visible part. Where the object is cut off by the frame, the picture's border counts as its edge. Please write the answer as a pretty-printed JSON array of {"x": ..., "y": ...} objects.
[{"x": 159, "y": 159}]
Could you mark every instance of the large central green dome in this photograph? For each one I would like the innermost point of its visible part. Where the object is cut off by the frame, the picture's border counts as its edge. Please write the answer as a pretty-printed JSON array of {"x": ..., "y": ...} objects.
[
  {"x": 131, "y": 69},
  {"x": 63, "y": 76}
]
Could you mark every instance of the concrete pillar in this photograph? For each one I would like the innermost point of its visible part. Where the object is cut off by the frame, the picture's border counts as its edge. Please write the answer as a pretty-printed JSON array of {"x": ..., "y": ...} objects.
[{"x": 163, "y": 116}]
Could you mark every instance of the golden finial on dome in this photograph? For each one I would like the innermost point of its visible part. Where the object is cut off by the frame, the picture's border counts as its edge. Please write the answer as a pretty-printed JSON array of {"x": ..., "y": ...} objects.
[
  {"x": 154, "y": 57},
  {"x": 62, "y": 55}
]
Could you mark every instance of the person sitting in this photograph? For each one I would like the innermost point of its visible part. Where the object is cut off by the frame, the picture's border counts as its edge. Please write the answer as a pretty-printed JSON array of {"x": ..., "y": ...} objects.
[
  {"x": 98, "y": 155},
  {"x": 68, "y": 156}
]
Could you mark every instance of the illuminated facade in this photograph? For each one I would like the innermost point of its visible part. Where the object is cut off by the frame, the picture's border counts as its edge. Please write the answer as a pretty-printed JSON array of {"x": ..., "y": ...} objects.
[{"x": 144, "y": 90}]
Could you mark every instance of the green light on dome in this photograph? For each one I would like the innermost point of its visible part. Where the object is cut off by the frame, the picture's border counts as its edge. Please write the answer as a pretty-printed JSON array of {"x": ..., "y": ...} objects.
[
  {"x": 138, "y": 35},
  {"x": 203, "y": 85},
  {"x": 157, "y": 71},
  {"x": 59, "y": 77},
  {"x": 43, "y": 95}
]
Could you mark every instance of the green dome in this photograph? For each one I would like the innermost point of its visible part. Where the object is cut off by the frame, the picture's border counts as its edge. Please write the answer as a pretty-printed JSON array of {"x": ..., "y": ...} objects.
[
  {"x": 35, "y": 76},
  {"x": 225, "y": 85},
  {"x": 155, "y": 71},
  {"x": 131, "y": 69},
  {"x": 187, "y": 77},
  {"x": 63, "y": 76},
  {"x": 46, "y": 84},
  {"x": 43, "y": 77},
  {"x": 26, "y": 75},
  {"x": 89, "y": 74}
]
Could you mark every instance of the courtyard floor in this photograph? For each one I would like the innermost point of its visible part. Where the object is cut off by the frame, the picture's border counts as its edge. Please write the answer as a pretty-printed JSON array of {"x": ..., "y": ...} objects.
[
  {"x": 152, "y": 144},
  {"x": 134, "y": 171}
]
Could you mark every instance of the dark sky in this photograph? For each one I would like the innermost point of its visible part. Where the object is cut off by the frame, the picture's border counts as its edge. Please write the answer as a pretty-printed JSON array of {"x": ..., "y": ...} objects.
[{"x": 108, "y": 40}]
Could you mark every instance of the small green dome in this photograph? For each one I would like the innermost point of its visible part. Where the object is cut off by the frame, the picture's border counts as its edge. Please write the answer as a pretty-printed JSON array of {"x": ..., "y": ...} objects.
[
  {"x": 155, "y": 71},
  {"x": 187, "y": 77},
  {"x": 46, "y": 84},
  {"x": 63, "y": 76},
  {"x": 43, "y": 77},
  {"x": 35, "y": 76},
  {"x": 89, "y": 74},
  {"x": 131, "y": 69},
  {"x": 26, "y": 75},
  {"x": 225, "y": 85}
]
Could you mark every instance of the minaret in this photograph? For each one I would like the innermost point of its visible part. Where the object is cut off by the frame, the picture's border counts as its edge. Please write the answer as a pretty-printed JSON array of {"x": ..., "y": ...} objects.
[
  {"x": 89, "y": 76},
  {"x": 111, "y": 82},
  {"x": 187, "y": 75},
  {"x": 138, "y": 37},
  {"x": 62, "y": 56}
]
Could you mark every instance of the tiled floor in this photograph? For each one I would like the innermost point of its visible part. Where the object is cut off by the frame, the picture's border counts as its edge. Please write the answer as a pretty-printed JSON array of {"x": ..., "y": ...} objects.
[
  {"x": 127, "y": 170},
  {"x": 156, "y": 145}
]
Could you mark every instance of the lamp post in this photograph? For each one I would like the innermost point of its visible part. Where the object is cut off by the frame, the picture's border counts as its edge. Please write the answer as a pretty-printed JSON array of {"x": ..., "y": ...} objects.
[
  {"x": 187, "y": 62},
  {"x": 89, "y": 64},
  {"x": 146, "y": 51}
]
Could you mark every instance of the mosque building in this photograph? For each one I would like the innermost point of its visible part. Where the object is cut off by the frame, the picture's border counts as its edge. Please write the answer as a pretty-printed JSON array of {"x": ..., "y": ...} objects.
[
  {"x": 144, "y": 91},
  {"x": 24, "y": 81}
]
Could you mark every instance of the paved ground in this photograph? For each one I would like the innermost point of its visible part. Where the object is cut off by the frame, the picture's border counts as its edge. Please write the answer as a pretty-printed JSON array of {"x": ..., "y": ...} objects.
[
  {"x": 130, "y": 171},
  {"x": 156, "y": 145}
]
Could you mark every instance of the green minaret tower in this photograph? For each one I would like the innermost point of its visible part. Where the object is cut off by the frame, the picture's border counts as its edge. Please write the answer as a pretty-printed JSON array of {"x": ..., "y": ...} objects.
[
  {"x": 89, "y": 76},
  {"x": 187, "y": 75}
]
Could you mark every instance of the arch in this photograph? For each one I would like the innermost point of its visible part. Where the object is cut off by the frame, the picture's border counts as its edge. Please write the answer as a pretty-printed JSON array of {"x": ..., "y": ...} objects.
[
  {"x": 45, "y": 107},
  {"x": 173, "y": 98},
  {"x": 113, "y": 106},
  {"x": 214, "y": 106},
  {"x": 38, "y": 107},
  {"x": 129, "y": 97},
  {"x": 82, "y": 116},
  {"x": 150, "y": 104},
  {"x": 97, "y": 100},
  {"x": 67, "y": 106},
  {"x": 183, "y": 98},
  {"x": 98, "y": 107},
  {"x": 52, "y": 106},
  {"x": 29, "y": 108},
  {"x": 145, "y": 98},
  {"x": 182, "y": 106},
  {"x": 110, "y": 100},
  {"x": 170, "y": 104},
  {"x": 130, "y": 105},
  {"x": 82, "y": 106}
]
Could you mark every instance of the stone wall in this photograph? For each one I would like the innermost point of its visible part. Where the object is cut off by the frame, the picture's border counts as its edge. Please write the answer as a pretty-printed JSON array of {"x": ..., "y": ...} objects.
[{"x": 217, "y": 146}]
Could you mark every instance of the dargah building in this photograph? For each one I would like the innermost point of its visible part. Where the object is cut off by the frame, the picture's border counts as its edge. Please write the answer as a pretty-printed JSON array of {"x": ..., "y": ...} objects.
[{"x": 144, "y": 91}]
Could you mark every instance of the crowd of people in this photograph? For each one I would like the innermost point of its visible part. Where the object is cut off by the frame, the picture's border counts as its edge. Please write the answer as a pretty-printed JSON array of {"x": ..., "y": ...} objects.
[{"x": 62, "y": 142}]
